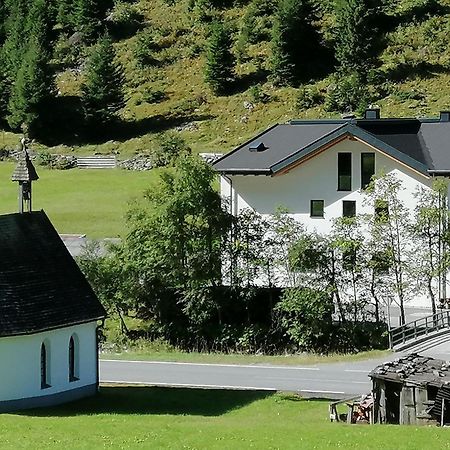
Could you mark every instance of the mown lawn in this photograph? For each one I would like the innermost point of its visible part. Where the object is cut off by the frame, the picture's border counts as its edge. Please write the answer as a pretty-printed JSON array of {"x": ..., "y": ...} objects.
[
  {"x": 165, "y": 418},
  {"x": 91, "y": 202},
  {"x": 222, "y": 358}
]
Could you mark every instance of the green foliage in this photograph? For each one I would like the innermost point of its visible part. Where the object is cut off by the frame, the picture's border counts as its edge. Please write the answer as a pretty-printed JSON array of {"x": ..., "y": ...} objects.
[
  {"x": 308, "y": 97},
  {"x": 219, "y": 70},
  {"x": 175, "y": 237},
  {"x": 295, "y": 43},
  {"x": 348, "y": 93},
  {"x": 32, "y": 86},
  {"x": 355, "y": 34},
  {"x": 258, "y": 95},
  {"x": 86, "y": 18},
  {"x": 102, "y": 90},
  {"x": 257, "y": 22},
  {"x": 305, "y": 315},
  {"x": 170, "y": 146},
  {"x": 144, "y": 49}
]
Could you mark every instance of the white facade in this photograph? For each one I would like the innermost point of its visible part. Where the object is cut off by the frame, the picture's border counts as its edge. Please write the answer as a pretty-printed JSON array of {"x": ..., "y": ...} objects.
[
  {"x": 317, "y": 179},
  {"x": 21, "y": 365}
]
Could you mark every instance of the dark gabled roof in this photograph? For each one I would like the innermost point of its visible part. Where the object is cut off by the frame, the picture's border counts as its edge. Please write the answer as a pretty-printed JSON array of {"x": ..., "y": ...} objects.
[
  {"x": 423, "y": 145},
  {"x": 41, "y": 286}
]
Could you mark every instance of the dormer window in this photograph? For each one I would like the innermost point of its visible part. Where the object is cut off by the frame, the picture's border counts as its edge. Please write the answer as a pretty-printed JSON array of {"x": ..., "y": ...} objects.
[{"x": 258, "y": 147}]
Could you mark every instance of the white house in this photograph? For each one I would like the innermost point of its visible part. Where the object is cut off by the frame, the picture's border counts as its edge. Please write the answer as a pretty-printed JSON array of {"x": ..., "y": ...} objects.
[
  {"x": 317, "y": 168},
  {"x": 48, "y": 312}
]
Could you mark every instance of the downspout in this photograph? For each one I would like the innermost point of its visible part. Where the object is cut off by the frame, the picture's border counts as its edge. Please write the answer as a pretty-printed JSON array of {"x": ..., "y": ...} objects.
[{"x": 232, "y": 207}]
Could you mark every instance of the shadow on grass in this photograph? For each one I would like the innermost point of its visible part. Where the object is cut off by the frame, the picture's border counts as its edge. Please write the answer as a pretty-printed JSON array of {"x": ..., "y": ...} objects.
[{"x": 154, "y": 400}]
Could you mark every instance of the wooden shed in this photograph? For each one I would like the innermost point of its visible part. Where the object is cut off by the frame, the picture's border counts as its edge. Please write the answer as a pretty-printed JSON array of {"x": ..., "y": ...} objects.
[{"x": 412, "y": 390}]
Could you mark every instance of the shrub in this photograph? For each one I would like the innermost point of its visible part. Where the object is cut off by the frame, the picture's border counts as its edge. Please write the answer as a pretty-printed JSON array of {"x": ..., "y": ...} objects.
[
  {"x": 125, "y": 19},
  {"x": 257, "y": 95},
  {"x": 347, "y": 93},
  {"x": 143, "y": 48},
  {"x": 170, "y": 146},
  {"x": 308, "y": 96},
  {"x": 306, "y": 317}
]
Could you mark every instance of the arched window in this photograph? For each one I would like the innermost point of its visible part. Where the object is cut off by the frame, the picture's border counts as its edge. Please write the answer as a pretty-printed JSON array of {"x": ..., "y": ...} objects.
[
  {"x": 73, "y": 358},
  {"x": 44, "y": 367}
]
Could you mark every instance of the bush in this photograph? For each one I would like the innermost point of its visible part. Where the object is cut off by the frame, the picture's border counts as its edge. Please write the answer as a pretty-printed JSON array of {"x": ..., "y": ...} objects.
[
  {"x": 305, "y": 315},
  {"x": 308, "y": 96},
  {"x": 347, "y": 93},
  {"x": 125, "y": 19},
  {"x": 144, "y": 46},
  {"x": 170, "y": 146},
  {"x": 257, "y": 22},
  {"x": 257, "y": 95}
]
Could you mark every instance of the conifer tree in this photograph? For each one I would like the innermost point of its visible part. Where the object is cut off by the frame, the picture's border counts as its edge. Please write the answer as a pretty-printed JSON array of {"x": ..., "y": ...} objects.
[
  {"x": 86, "y": 18},
  {"x": 32, "y": 83},
  {"x": 65, "y": 13},
  {"x": 219, "y": 69},
  {"x": 102, "y": 91},
  {"x": 355, "y": 34},
  {"x": 295, "y": 42}
]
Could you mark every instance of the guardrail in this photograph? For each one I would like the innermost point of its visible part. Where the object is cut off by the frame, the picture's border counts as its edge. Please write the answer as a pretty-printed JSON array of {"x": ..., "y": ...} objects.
[
  {"x": 416, "y": 329},
  {"x": 96, "y": 162}
]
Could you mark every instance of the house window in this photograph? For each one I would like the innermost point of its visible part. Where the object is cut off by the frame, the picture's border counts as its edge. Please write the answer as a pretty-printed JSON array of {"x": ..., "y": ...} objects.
[
  {"x": 44, "y": 367},
  {"x": 381, "y": 211},
  {"x": 73, "y": 354},
  {"x": 348, "y": 208},
  {"x": 316, "y": 208},
  {"x": 367, "y": 168},
  {"x": 344, "y": 171}
]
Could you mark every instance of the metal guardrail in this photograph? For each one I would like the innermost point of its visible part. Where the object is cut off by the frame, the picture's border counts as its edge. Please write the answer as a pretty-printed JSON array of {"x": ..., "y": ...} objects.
[{"x": 421, "y": 327}]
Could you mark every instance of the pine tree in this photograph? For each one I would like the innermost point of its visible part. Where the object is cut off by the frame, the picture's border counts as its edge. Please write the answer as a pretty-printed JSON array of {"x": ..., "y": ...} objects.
[
  {"x": 295, "y": 42},
  {"x": 30, "y": 90},
  {"x": 65, "y": 14},
  {"x": 32, "y": 80},
  {"x": 86, "y": 18},
  {"x": 15, "y": 31},
  {"x": 219, "y": 59},
  {"x": 102, "y": 91},
  {"x": 355, "y": 34}
]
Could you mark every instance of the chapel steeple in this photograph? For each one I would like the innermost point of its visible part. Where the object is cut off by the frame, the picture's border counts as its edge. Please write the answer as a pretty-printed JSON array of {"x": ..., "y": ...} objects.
[{"x": 24, "y": 174}]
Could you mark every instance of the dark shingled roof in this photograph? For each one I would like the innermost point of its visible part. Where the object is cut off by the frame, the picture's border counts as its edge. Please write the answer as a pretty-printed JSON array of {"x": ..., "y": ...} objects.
[
  {"x": 421, "y": 144},
  {"x": 24, "y": 170},
  {"x": 41, "y": 286}
]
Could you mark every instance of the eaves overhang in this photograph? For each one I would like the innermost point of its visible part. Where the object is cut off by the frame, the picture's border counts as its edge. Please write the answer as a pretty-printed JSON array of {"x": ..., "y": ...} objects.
[
  {"x": 245, "y": 172},
  {"x": 347, "y": 130}
]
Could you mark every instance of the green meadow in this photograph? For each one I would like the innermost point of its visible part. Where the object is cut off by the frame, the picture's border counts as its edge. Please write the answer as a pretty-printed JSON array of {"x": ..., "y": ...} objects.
[
  {"x": 169, "y": 418},
  {"x": 91, "y": 202}
]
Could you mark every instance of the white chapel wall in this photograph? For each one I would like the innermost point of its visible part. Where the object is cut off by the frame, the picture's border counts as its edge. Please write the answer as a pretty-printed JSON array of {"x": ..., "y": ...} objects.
[{"x": 20, "y": 362}]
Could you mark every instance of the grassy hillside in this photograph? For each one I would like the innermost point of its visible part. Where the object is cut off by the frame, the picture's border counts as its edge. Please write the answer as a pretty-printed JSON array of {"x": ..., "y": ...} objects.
[{"x": 170, "y": 92}]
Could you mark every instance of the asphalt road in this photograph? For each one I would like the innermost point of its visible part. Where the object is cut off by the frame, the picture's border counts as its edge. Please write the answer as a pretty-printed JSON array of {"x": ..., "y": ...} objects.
[{"x": 336, "y": 380}]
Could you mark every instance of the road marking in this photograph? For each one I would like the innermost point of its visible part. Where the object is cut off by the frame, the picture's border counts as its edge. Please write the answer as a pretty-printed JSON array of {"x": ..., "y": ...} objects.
[
  {"x": 321, "y": 392},
  {"x": 216, "y": 386},
  {"x": 209, "y": 364},
  {"x": 356, "y": 370}
]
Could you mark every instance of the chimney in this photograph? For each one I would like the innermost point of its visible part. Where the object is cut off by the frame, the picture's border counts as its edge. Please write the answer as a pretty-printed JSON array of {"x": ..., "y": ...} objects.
[
  {"x": 444, "y": 116},
  {"x": 372, "y": 113}
]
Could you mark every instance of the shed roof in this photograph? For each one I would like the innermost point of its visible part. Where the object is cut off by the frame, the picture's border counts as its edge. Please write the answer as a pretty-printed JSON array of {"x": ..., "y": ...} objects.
[
  {"x": 41, "y": 286},
  {"x": 421, "y": 144},
  {"x": 414, "y": 369},
  {"x": 24, "y": 170}
]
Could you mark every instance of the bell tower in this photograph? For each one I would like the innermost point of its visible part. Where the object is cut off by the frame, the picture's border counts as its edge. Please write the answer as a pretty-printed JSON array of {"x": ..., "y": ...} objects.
[{"x": 24, "y": 174}]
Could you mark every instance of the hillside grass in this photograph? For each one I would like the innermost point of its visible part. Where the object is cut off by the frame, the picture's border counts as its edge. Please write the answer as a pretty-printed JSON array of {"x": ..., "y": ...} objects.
[
  {"x": 169, "y": 418},
  {"x": 413, "y": 79},
  {"x": 91, "y": 202}
]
